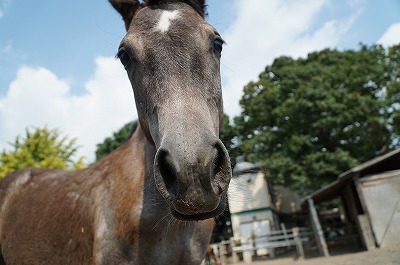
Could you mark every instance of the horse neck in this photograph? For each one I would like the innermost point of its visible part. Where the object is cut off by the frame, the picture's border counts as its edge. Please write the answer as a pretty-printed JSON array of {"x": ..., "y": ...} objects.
[
  {"x": 154, "y": 203},
  {"x": 142, "y": 216},
  {"x": 135, "y": 193}
]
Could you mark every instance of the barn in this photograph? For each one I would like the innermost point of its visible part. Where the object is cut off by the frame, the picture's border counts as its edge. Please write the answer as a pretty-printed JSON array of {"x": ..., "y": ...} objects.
[{"x": 369, "y": 195}]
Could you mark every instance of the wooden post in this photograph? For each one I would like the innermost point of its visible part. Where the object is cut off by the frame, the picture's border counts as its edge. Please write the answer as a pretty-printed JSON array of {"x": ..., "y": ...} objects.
[
  {"x": 283, "y": 227},
  {"x": 365, "y": 209},
  {"x": 299, "y": 244},
  {"x": 235, "y": 256},
  {"x": 365, "y": 231},
  {"x": 248, "y": 252},
  {"x": 319, "y": 235},
  {"x": 253, "y": 243}
]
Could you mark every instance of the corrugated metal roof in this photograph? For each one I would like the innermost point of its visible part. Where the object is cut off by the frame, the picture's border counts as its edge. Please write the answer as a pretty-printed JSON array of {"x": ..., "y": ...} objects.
[
  {"x": 374, "y": 165},
  {"x": 373, "y": 162}
]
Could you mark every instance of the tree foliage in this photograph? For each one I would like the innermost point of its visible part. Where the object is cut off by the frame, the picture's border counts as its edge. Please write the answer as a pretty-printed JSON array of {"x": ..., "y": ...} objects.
[
  {"x": 40, "y": 148},
  {"x": 111, "y": 143},
  {"x": 228, "y": 136},
  {"x": 309, "y": 119}
]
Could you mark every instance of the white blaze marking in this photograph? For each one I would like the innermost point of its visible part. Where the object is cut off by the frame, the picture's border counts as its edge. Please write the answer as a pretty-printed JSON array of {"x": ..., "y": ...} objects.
[
  {"x": 165, "y": 20},
  {"x": 102, "y": 228}
]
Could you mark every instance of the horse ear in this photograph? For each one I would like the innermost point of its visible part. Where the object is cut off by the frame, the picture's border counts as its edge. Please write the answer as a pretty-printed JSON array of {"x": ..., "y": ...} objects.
[
  {"x": 198, "y": 5},
  {"x": 127, "y": 9}
]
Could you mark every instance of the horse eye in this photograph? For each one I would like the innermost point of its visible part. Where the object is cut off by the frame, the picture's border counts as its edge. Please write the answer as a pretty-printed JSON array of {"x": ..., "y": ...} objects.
[
  {"x": 218, "y": 43},
  {"x": 123, "y": 57}
]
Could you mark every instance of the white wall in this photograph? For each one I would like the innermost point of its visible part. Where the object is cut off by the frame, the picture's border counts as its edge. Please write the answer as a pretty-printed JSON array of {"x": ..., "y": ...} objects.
[{"x": 248, "y": 192}]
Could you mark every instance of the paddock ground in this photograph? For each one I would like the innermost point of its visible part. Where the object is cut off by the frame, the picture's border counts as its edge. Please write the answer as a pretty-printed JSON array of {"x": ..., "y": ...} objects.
[{"x": 382, "y": 256}]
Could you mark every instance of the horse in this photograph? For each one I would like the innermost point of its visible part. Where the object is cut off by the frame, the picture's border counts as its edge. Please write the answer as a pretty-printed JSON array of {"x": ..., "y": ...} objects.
[{"x": 153, "y": 200}]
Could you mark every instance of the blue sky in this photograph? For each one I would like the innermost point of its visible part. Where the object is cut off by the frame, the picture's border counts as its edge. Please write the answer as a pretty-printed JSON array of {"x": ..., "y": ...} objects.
[
  {"x": 65, "y": 36},
  {"x": 57, "y": 65}
]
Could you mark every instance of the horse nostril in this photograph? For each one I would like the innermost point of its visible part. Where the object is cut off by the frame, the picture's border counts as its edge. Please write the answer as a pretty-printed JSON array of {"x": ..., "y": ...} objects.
[
  {"x": 219, "y": 166},
  {"x": 168, "y": 172}
]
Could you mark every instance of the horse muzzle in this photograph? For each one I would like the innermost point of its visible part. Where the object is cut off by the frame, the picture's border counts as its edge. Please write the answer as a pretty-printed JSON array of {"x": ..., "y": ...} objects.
[{"x": 193, "y": 179}]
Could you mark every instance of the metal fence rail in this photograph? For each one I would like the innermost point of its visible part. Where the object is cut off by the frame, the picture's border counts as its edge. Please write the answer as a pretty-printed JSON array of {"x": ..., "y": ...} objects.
[{"x": 248, "y": 247}]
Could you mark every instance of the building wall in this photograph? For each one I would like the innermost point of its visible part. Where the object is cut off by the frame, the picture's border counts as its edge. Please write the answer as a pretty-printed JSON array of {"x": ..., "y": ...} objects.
[
  {"x": 248, "y": 192},
  {"x": 259, "y": 222},
  {"x": 382, "y": 198},
  {"x": 250, "y": 205},
  {"x": 286, "y": 200}
]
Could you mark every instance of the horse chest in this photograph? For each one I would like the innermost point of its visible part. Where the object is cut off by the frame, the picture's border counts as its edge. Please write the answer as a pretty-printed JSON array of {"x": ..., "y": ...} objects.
[
  {"x": 148, "y": 235},
  {"x": 175, "y": 244}
]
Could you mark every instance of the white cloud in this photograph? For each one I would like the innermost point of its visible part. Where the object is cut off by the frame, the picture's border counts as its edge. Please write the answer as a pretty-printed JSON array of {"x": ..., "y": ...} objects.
[
  {"x": 262, "y": 31},
  {"x": 356, "y": 3},
  {"x": 4, "y": 6},
  {"x": 391, "y": 36},
  {"x": 37, "y": 97},
  {"x": 8, "y": 48},
  {"x": 265, "y": 30}
]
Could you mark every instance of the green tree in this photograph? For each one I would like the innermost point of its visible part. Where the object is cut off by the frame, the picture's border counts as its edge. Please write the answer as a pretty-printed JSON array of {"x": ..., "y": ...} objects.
[
  {"x": 41, "y": 148},
  {"x": 228, "y": 136},
  {"x": 111, "y": 143},
  {"x": 392, "y": 60},
  {"x": 308, "y": 120}
]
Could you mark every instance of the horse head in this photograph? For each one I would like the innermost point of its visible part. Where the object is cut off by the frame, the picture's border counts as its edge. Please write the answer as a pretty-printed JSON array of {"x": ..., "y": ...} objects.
[{"x": 172, "y": 58}]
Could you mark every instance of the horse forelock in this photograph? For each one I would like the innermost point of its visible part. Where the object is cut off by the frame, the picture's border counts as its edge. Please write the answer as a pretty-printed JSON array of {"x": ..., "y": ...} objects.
[
  {"x": 128, "y": 8},
  {"x": 198, "y": 5}
]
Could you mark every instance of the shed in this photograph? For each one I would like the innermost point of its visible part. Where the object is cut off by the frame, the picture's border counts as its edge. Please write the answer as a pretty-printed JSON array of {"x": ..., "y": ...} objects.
[{"x": 370, "y": 194}]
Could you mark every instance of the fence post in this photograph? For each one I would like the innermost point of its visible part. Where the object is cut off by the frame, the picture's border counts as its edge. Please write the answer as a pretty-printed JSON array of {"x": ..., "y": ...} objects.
[
  {"x": 283, "y": 227},
  {"x": 253, "y": 244},
  {"x": 235, "y": 255},
  {"x": 225, "y": 246},
  {"x": 299, "y": 243},
  {"x": 319, "y": 235}
]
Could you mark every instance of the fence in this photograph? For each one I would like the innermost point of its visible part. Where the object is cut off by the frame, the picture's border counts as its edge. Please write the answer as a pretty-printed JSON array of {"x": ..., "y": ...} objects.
[{"x": 258, "y": 245}]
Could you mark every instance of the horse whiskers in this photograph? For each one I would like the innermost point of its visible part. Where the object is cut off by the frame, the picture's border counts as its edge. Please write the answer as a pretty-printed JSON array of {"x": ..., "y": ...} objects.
[
  {"x": 155, "y": 201},
  {"x": 169, "y": 223},
  {"x": 148, "y": 186},
  {"x": 153, "y": 204},
  {"x": 162, "y": 219}
]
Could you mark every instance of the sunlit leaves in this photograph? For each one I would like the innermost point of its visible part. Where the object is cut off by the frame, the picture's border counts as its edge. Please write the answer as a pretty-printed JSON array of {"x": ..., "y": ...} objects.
[
  {"x": 309, "y": 119},
  {"x": 111, "y": 143},
  {"x": 40, "y": 148}
]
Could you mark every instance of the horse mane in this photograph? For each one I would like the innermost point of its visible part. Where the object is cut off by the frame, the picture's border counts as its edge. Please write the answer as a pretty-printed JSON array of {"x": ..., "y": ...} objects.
[
  {"x": 198, "y": 5},
  {"x": 134, "y": 126},
  {"x": 128, "y": 8}
]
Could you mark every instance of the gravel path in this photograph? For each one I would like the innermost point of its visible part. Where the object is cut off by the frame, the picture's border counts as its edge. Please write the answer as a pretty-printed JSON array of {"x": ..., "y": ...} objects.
[{"x": 380, "y": 256}]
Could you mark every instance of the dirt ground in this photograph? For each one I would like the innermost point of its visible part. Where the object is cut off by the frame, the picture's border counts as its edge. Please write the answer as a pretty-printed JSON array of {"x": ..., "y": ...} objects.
[{"x": 380, "y": 256}]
